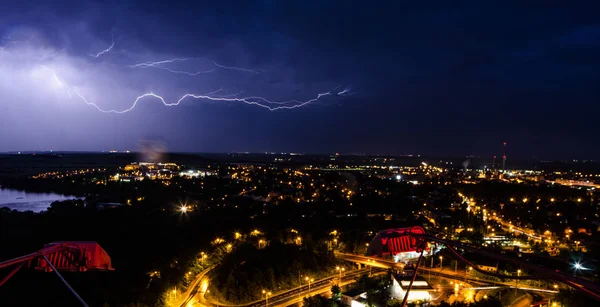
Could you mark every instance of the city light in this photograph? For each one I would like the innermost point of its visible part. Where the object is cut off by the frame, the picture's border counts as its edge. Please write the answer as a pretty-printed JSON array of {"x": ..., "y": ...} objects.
[{"x": 183, "y": 209}]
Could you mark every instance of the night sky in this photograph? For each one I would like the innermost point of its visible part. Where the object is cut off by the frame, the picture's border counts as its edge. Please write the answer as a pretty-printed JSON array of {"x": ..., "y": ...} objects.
[{"x": 391, "y": 77}]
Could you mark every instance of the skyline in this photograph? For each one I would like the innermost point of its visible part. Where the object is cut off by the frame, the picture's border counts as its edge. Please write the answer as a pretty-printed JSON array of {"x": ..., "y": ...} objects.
[{"x": 452, "y": 80}]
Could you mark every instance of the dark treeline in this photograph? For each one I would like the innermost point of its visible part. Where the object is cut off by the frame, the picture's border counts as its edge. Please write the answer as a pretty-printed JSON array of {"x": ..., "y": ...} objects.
[{"x": 244, "y": 273}]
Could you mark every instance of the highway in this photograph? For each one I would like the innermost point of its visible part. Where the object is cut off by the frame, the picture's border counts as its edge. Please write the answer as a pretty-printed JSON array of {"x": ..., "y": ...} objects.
[
  {"x": 381, "y": 263},
  {"x": 194, "y": 296}
]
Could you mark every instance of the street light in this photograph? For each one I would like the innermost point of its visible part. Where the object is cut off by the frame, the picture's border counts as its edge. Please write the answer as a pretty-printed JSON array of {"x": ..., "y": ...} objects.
[
  {"x": 578, "y": 267},
  {"x": 441, "y": 259},
  {"x": 337, "y": 268},
  {"x": 266, "y": 294},
  {"x": 517, "y": 280},
  {"x": 309, "y": 280}
]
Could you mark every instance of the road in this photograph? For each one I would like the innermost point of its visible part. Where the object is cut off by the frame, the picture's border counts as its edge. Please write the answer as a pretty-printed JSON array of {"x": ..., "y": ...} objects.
[
  {"x": 382, "y": 263},
  {"x": 195, "y": 297},
  {"x": 194, "y": 287}
]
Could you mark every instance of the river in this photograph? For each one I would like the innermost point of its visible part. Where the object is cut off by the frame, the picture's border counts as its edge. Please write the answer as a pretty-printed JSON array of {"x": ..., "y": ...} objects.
[{"x": 29, "y": 201}]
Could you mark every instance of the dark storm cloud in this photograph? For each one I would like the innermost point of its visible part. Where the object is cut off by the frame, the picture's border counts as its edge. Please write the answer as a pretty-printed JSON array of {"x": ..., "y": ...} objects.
[{"x": 432, "y": 77}]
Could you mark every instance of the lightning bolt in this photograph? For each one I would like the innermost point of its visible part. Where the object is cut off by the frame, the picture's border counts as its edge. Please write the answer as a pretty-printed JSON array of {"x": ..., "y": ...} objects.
[
  {"x": 232, "y": 95},
  {"x": 97, "y": 55},
  {"x": 159, "y": 65},
  {"x": 54, "y": 76},
  {"x": 256, "y": 101},
  {"x": 346, "y": 92},
  {"x": 252, "y": 100},
  {"x": 235, "y": 68}
]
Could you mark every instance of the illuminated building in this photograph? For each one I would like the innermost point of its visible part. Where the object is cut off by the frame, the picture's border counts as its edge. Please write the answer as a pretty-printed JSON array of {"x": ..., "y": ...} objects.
[{"x": 419, "y": 291}]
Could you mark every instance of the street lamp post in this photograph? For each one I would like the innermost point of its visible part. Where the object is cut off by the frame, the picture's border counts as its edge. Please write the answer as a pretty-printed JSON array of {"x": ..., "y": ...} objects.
[
  {"x": 517, "y": 281},
  {"x": 266, "y": 294},
  {"x": 441, "y": 263},
  {"x": 340, "y": 270},
  {"x": 309, "y": 280}
]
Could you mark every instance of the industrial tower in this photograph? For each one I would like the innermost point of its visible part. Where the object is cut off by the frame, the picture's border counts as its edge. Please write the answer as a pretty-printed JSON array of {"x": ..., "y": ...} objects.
[{"x": 504, "y": 159}]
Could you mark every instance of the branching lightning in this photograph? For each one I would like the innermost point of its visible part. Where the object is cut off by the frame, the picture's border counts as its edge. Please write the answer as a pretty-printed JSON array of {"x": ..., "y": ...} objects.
[
  {"x": 97, "y": 55},
  {"x": 346, "y": 92},
  {"x": 54, "y": 76},
  {"x": 232, "y": 95},
  {"x": 252, "y": 100},
  {"x": 160, "y": 65},
  {"x": 235, "y": 68},
  {"x": 256, "y": 101}
]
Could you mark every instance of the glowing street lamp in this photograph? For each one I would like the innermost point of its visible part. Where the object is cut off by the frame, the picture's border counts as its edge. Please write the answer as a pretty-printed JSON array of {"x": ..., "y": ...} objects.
[
  {"x": 309, "y": 280},
  {"x": 340, "y": 270},
  {"x": 183, "y": 209},
  {"x": 441, "y": 259},
  {"x": 578, "y": 267},
  {"x": 266, "y": 294}
]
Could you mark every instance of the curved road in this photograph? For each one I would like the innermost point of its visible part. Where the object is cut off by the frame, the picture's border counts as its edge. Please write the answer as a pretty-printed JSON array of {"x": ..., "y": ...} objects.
[{"x": 194, "y": 297}]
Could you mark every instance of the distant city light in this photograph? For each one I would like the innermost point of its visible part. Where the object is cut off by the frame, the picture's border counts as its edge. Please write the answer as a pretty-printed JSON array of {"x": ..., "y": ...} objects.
[{"x": 398, "y": 177}]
